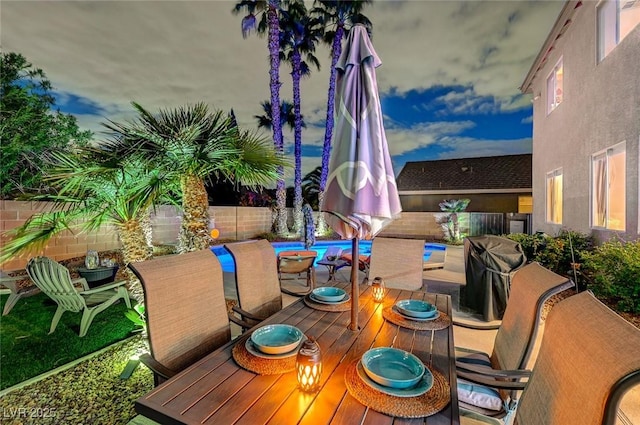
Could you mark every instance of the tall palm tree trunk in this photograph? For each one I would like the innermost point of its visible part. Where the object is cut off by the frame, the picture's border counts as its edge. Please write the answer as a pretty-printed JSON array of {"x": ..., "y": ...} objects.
[
  {"x": 194, "y": 230},
  {"x": 297, "y": 197},
  {"x": 274, "y": 86},
  {"x": 134, "y": 249},
  {"x": 336, "y": 50}
]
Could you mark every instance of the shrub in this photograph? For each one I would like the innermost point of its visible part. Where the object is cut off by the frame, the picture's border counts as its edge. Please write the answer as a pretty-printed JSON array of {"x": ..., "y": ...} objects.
[
  {"x": 614, "y": 272},
  {"x": 554, "y": 252}
]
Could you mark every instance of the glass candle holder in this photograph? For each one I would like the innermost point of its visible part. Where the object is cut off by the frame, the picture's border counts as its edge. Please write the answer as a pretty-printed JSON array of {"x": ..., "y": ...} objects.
[
  {"x": 92, "y": 261},
  {"x": 378, "y": 289},
  {"x": 309, "y": 365}
]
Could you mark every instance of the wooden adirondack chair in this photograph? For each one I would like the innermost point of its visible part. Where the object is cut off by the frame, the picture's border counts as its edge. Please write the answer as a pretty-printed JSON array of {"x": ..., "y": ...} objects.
[{"x": 54, "y": 280}]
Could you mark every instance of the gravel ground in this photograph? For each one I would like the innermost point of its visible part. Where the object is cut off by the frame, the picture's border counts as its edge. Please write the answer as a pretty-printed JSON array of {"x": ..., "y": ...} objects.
[{"x": 88, "y": 393}]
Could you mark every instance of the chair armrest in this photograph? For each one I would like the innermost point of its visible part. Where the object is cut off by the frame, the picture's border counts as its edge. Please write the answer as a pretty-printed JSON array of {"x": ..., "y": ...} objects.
[
  {"x": 489, "y": 382},
  {"x": 490, "y": 372},
  {"x": 246, "y": 314},
  {"x": 295, "y": 294},
  {"x": 10, "y": 281},
  {"x": 104, "y": 287},
  {"x": 81, "y": 281},
  {"x": 156, "y": 367},
  {"x": 242, "y": 323}
]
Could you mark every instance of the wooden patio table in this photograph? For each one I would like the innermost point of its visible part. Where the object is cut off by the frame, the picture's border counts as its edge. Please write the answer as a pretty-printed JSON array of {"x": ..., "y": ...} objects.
[{"x": 215, "y": 390}]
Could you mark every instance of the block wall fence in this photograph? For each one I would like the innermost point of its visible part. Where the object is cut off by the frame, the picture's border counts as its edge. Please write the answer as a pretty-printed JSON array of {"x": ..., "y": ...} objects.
[{"x": 233, "y": 223}]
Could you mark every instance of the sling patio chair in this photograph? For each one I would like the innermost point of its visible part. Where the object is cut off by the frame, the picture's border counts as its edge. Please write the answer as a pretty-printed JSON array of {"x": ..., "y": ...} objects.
[
  {"x": 588, "y": 360},
  {"x": 257, "y": 283},
  {"x": 54, "y": 280},
  {"x": 294, "y": 264},
  {"x": 531, "y": 287},
  {"x": 363, "y": 261},
  {"x": 398, "y": 261},
  {"x": 185, "y": 310}
]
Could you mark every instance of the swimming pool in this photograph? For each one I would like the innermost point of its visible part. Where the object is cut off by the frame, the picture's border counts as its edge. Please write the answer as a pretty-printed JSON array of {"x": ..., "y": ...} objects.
[{"x": 364, "y": 247}]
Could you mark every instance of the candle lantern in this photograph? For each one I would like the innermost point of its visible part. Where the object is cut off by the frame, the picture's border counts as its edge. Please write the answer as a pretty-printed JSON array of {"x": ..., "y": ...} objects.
[
  {"x": 378, "y": 289},
  {"x": 309, "y": 365}
]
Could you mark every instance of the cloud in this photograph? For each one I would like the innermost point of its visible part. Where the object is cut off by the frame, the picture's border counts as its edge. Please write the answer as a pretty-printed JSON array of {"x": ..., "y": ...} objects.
[
  {"x": 464, "y": 147},
  {"x": 165, "y": 54}
]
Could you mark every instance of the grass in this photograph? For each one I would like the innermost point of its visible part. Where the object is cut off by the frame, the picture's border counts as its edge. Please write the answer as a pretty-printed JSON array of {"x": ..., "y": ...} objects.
[{"x": 26, "y": 349}]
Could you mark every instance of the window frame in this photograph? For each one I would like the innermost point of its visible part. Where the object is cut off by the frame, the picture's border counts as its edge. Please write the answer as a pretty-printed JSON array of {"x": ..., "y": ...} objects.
[
  {"x": 551, "y": 202},
  {"x": 552, "y": 103},
  {"x": 606, "y": 155},
  {"x": 611, "y": 26}
]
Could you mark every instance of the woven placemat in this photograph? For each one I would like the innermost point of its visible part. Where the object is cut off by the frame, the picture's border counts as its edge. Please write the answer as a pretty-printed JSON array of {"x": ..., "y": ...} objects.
[
  {"x": 442, "y": 322},
  {"x": 260, "y": 365},
  {"x": 420, "y": 406},
  {"x": 346, "y": 306}
]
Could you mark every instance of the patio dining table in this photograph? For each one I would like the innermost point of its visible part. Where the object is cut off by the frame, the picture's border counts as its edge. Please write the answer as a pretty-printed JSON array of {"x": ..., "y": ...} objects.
[{"x": 216, "y": 390}]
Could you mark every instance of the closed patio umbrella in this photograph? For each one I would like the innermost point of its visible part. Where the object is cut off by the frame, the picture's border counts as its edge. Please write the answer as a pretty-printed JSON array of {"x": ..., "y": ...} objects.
[{"x": 361, "y": 196}]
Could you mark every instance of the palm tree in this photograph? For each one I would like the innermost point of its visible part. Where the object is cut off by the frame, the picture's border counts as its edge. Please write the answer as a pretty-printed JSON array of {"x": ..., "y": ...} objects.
[
  {"x": 95, "y": 189},
  {"x": 190, "y": 143},
  {"x": 450, "y": 222},
  {"x": 341, "y": 14},
  {"x": 270, "y": 21},
  {"x": 286, "y": 115},
  {"x": 300, "y": 33},
  {"x": 311, "y": 187}
]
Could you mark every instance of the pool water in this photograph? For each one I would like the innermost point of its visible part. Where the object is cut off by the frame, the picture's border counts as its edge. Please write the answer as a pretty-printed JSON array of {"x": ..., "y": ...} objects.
[{"x": 364, "y": 247}]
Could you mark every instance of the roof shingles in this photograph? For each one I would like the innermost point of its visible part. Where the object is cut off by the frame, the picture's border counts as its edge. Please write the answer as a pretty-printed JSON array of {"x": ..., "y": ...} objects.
[{"x": 491, "y": 172}]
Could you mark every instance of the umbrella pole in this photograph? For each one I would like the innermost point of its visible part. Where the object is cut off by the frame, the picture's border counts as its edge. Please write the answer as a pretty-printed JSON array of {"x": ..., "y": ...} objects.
[{"x": 355, "y": 289}]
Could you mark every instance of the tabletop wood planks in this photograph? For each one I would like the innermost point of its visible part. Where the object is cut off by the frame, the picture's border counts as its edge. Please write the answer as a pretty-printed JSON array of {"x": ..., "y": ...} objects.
[{"x": 216, "y": 390}]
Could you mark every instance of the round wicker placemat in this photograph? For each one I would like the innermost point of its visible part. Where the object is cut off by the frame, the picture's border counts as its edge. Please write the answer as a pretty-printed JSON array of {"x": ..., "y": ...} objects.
[
  {"x": 442, "y": 322},
  {"x": 426, "y": 404},
  {"x": 260, "y": 365},
  {"x": 346, "y": 306}
]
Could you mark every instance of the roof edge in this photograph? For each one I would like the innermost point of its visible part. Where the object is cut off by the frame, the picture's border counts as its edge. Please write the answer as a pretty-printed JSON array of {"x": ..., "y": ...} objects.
[
  {"x": 558, "y": 29},
  {"x": 463, "y": 191}
]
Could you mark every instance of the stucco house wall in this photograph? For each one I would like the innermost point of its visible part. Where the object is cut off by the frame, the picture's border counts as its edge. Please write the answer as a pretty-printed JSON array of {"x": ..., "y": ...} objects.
[{"x": 600, "y": 108}]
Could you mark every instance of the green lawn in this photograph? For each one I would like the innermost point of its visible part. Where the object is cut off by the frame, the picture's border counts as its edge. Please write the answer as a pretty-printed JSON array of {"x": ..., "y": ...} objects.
[{"x": 26, "y": 349}]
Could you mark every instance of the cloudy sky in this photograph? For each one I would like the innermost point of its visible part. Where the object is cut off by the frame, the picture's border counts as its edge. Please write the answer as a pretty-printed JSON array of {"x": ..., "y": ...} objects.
[{"x": 449, "y": 77}]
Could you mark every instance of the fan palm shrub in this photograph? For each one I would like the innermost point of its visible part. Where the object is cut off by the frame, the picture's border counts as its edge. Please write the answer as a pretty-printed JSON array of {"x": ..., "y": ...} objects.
[
  {"x": 189, "y": 144},
  {"x": 93, "y": 189}
]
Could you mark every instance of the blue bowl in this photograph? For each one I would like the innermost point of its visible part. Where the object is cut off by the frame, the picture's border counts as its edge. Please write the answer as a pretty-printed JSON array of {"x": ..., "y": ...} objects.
[
  {"x": 276, "y": 339},
  {"x": 329, "y": 294},
  {"x": 416, "y": 308},
  {"x": 392, "y": 367}
]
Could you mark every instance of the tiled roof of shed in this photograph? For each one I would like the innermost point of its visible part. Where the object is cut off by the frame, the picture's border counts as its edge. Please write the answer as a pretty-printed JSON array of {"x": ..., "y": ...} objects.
[{"x": 489, "y": 172}]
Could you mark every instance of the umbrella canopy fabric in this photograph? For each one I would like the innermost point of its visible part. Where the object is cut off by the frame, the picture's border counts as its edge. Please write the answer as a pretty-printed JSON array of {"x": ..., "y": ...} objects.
[{"x": 361, "y": 196}]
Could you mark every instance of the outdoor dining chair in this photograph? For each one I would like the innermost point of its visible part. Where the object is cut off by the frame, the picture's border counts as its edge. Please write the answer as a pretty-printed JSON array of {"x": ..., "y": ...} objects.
[
  {"x": 398, "y": 261},
  {"x": 257, "y": 283},
  {"x": 55, "y": 280},
  {"x": 292, "y": 264},
  {"x": 185, "y": 310},
  {"x": 531, "y": 287},
  {"x": 588, "y": 360}
]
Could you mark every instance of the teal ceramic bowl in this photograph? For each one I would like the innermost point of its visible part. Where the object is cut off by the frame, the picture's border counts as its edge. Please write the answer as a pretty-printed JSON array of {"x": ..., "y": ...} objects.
[
  {"x": 276, "y": 339},
  {"x": 329, "y": 294},
  {"x": 416, "y": 308},
  {"x": 392, "y": 367}
]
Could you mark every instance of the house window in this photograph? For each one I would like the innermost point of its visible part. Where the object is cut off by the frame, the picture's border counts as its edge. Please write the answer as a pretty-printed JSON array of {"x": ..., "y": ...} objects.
[
  {"x": 554, "y": 87},
  {"x": 616, "y": 19},
  {"x": 554, "y": 196},
  {"x": 608, "y": 188}
]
